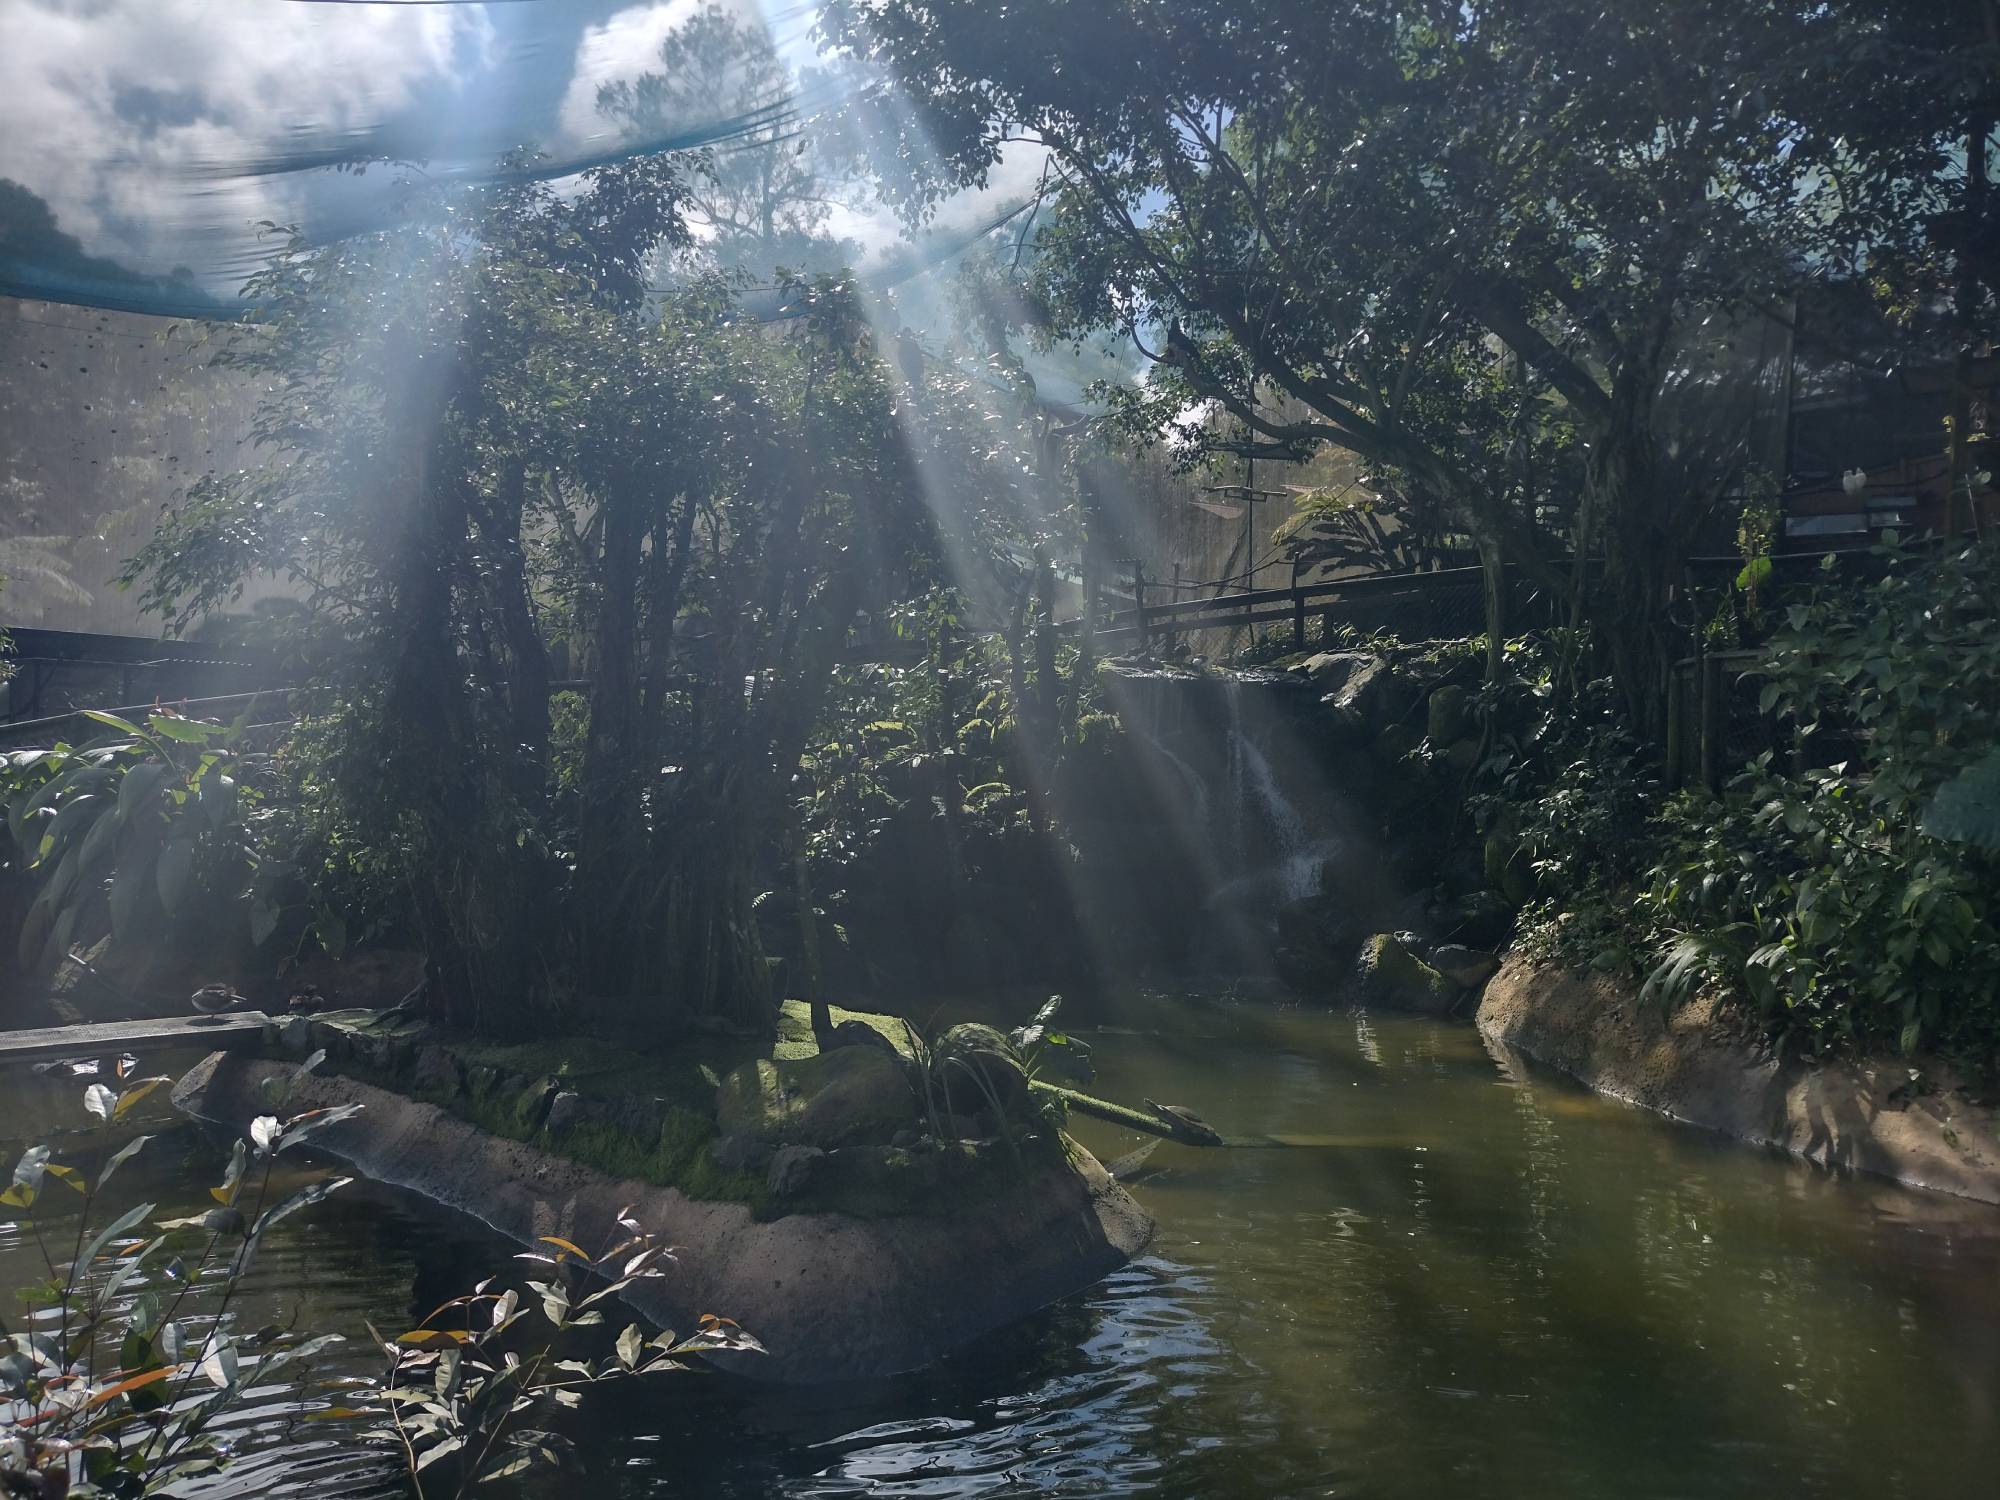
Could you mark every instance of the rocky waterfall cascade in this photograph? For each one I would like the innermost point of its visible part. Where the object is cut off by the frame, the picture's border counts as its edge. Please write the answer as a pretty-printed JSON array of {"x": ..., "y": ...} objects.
[{"x": 1234, "y": 766}]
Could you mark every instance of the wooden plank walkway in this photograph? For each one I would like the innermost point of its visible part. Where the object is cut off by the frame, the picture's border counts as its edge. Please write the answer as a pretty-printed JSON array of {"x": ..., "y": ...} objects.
[{"x": 236, "y": 1030}]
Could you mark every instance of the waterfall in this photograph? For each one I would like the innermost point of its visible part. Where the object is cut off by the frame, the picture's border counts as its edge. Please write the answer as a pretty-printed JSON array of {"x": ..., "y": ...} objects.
[
  {"x": 1251, "y": 778},
  {"x": 1299, "y": 860},
  {"x": 1192, "y": 780}
]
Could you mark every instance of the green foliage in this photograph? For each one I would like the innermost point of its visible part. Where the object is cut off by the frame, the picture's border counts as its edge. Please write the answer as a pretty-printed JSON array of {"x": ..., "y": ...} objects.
[
  {"x": 126, "y": 1396},
  {"x": 1845, "y": 892},
  {"x": 1966, "y": 809},
  {"x": 497, "y": 439},
  {"x": 138, "y": 832},
  {"x": 466, "y": 1404},
  {"x": 1488, "y": 250}
]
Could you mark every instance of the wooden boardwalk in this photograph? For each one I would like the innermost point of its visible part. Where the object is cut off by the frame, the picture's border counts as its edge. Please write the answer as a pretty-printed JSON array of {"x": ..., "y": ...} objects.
[{"x": 234, "y": 1031}]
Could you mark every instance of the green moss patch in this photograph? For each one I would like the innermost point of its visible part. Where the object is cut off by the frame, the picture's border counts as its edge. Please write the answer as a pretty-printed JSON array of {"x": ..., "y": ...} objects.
[{"x": 510, "y": 1090}]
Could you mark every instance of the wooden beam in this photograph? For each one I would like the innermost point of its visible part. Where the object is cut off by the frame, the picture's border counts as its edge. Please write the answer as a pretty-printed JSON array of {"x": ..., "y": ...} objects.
[{"x": 236, "y": 1030}]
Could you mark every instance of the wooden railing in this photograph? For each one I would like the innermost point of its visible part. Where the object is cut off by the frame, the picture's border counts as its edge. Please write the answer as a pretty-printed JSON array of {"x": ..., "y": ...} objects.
[{"x": 1379, "y": 594}]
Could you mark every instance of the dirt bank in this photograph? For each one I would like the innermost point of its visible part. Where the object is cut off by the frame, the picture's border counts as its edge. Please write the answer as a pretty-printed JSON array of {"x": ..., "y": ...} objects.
[
  {"x": 1862, "y": 1116},
  {"x": 833, "y": 1297}
]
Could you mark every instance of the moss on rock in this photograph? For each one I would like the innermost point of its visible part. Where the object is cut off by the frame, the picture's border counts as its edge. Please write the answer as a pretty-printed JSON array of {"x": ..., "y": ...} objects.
[{"x": 1390, "y": 974}]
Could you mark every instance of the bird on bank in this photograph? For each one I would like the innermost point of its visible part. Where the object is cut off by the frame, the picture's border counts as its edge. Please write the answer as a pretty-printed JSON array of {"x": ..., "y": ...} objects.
[
  {"x": 1187, "y": 1122},
  {"x": 214, "y": 999}
]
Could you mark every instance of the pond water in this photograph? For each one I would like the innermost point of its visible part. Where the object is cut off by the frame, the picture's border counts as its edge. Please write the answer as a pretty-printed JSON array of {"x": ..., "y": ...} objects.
[{"x": 1457, "y": 1276}]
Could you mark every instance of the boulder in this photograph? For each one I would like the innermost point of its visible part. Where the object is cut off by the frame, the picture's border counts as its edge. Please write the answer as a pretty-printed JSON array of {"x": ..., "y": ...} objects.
[
  {"x": 1460, "y": 755},
  {"x": 845, "y": 1097},
  {"x": 1390, "y": 974},
  {"x": 977, "y": 1065},
  {"x": 1479, "y": 919},
  {"x": 436, "y": 1073},
  {"x": 793, "y": 1169},
  {"x": 1448, "y": 715},
  {"x": 1368, "y": 698},
  {"x": 566, "y": 1111},
  {"x": 1507, "y": 870},
  {"x": 1468, "y": 968},
  {"x": 1332, "y": 671},
  {"x": 863, "y": 1095},
  {"x": 741, "y": 1153},
  {"x": 531, "y": 1103},
  {"x": 851, "y": 1033}
]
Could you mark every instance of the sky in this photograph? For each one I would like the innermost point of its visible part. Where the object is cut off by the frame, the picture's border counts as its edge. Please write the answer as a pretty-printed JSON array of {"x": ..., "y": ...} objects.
[{"x": 142, "y": 141}]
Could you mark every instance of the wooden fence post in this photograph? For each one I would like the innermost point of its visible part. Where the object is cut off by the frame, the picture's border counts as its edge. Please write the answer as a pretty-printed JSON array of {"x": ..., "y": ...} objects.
[
  {"x": 1139, "y": 603},
  {"x": 1298, "y": 612}
]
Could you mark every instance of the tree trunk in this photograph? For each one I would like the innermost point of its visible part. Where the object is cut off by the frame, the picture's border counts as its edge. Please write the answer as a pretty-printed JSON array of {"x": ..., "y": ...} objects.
[
  {"x": 608, "y": 811},
  {"x": 1642, "y": 550}
]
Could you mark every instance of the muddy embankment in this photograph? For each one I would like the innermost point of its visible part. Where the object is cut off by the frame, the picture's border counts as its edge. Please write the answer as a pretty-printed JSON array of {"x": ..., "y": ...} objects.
[{"x": 1866, "y": 1116}]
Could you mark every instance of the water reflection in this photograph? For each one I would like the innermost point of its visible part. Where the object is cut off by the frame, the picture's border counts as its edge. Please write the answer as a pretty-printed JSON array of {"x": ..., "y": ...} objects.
[{"x": 1444, "y": 1273}]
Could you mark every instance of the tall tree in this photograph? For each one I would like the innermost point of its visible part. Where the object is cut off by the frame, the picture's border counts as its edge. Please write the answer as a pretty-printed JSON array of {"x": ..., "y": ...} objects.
[{"x": 1372, "y": 206}]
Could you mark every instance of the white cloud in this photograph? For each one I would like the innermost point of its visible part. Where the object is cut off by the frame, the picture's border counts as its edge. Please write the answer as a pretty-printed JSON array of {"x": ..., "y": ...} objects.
[
  {"x": 876, "y": 228},
  {"x": 145, "y": 112},
  {"x": 623, "y": 47}
]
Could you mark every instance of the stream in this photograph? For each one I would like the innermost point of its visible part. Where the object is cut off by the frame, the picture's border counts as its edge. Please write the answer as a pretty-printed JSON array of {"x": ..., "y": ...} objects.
[{"x": 1458, "y": 1276}]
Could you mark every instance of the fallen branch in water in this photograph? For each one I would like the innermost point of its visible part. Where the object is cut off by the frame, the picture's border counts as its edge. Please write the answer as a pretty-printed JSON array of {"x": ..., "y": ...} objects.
[{"x": 1141, "y": 1120}]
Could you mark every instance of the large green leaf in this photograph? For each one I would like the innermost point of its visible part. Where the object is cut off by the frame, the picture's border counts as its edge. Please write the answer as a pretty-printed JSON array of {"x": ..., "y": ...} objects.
[
  {"x": 100, "y": 841},
  {"x": 112, "y": 721},
  {"x": 139, "y": 785},
  {"x": 217, "y": 798},
  {"x": 186, "y": 731},
  {"x": 129, "y": 890},
  {"x": 75, "y": 816},
  {"x": 175, "y": 875}
]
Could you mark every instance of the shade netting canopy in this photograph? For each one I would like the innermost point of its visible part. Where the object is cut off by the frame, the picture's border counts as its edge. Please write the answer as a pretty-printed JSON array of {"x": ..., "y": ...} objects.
[{"x": 148, "y": 147}]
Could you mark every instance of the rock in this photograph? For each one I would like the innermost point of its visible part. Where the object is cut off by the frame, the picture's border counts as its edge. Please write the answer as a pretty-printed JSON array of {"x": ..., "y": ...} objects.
[
  {"x": 1506, "y": 870},
  {"x": 1395, "y": 744},
  {"x": 637, "y": 1116},
  {"x": 972, "y": 1127},
  {"x": 978, "y": 1065},
  {"x": 1468, "y": 968},
  {"x": 481, "y": 1081},
  {"x": 1390, "y": 974},
  {"x": 793, "y": 1169},
  {"x": 863, "y": 1095},
  {"x": 1364, "y": 701},
  {"x": 1462, "y": 872},
  {"x": 904, "y": 1139},
  {"x": 859, "y": 1034},
  {"x": 741, "y": 1153},
  {"x": 436, "y": 1073},
  {"x": 1448, "y": 715},
  {"x": 1461, "y": 755},
  {"x": 295, "y": 1035},
  {"x": 531, "y": 1103},
  {"x": 839, "y": 1098},
  {"x": 1332, "y": 671},
  {"x": 566, "y": 1111},
  {"x": 1480, "y": 919}
]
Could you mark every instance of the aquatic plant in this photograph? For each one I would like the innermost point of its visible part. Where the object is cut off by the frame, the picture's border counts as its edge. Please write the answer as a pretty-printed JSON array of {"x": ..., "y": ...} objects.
[
  {"x": 107, "y": 1394},
  {"x": 464, "y": 1406}
]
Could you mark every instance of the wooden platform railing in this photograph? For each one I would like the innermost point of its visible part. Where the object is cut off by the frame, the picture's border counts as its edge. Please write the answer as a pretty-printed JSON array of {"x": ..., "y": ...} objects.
[{"x": 1378, "y": 592}]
